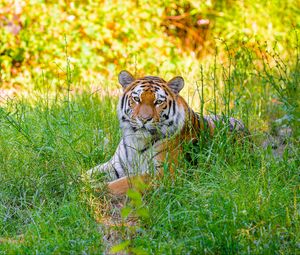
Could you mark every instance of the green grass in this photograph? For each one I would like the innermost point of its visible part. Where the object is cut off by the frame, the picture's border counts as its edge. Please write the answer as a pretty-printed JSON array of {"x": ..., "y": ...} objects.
[
  {"x": 44, "y": 150},
  {"x": 236, "y": 200}
]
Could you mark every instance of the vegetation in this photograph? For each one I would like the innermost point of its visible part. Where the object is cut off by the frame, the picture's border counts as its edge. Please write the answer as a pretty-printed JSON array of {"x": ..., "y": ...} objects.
[{"x": 58, "y": 95}]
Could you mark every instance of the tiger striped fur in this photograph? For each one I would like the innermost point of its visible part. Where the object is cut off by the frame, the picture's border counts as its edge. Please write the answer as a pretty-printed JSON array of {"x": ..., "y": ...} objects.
[{"x": 155, "y": 121}]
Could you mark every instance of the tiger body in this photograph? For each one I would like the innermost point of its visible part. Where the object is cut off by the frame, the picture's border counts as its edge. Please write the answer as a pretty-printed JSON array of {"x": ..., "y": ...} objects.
[{"x": 155, "y": 121}]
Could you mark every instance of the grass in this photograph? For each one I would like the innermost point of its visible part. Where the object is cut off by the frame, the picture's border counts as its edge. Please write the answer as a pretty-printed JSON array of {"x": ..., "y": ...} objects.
[
  {"x": 235, "y": 200},
  {"x": 233, "y": 203},
  {"x": 43, "y": 153}
]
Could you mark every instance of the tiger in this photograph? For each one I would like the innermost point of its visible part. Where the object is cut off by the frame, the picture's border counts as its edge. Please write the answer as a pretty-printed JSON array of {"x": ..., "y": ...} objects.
[{"x": 155, "y": 122}]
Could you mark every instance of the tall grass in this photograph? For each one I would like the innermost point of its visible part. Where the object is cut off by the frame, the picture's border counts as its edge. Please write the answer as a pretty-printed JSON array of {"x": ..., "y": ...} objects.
[
  {"x": 234, "y": 200},
  {"x": 44, "y": 150}
]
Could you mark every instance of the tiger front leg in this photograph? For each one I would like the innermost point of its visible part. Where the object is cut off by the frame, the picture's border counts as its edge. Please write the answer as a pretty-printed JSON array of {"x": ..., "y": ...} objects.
[
  {"x": 113, "y": 168},
  {"x": 103, "y": 168},
  {"x": 121, "y": 185}
]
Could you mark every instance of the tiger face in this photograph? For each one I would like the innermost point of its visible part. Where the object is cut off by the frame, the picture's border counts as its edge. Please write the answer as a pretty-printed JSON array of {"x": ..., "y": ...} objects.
[{"x": 150, "y": 105}]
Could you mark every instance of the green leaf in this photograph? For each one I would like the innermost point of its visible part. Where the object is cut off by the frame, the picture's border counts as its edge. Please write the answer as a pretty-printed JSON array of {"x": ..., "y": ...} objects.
[
  {"x": 134, "y": 195},
  {"x": 126, "y": 211},
  {"x": 143, "y": 212},
  {"x": 120, "y": 247},
  {"x": 138, "y": 251}
]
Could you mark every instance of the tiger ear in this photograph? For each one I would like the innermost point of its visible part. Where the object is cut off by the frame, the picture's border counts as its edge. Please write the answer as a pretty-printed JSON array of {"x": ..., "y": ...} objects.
[
  {"x": 176, "y": 84},
  {"x": 125, "y": 78}
]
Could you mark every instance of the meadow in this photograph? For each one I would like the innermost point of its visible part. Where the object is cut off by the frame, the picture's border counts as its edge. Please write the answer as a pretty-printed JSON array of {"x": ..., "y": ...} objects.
[{"x": 58, "y": 99}]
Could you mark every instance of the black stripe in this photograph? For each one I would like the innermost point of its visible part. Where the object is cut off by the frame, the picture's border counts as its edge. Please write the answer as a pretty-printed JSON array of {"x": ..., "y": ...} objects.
[
  {"x": 174, "y": 107},
  {"x": 165, "y": 116},
  {"x": 127, "y": 102},
  {"x": 121, "y": 163},
  {"x": 171, "y": 123},
  {"x": 124, "y": 119},
  {"x": 196, "y": 120},
  {"x": 177, "y": 120},
  {"x": 170, "y": 104},
  {"x": 126, "y": 149},
  {"x": 144, "y": 149},
  {"x": 122, "y": 102},
  {"x": 116, "y": 172}
]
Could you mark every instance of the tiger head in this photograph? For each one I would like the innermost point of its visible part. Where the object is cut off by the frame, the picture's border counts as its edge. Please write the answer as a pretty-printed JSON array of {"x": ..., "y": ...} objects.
[{"x": 150, "y": 105}]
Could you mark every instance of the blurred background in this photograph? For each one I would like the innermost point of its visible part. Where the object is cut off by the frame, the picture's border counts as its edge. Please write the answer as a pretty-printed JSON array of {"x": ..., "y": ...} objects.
[
  {"x": 46, "y": 44},
  {"x": 103, "y": 37}
]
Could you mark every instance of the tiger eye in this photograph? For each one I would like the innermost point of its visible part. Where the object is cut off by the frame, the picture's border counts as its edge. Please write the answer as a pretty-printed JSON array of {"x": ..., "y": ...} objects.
[
  {"x": 157, "y": 102},
  {"x": 136, "y": 99}
]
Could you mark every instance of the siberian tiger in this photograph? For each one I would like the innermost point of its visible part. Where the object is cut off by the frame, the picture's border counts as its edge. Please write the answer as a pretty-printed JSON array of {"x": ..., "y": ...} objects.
[{"x": 155, "y": 121}]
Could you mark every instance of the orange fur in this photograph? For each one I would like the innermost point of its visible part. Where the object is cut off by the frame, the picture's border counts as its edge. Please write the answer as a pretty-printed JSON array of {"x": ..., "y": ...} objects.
[
  {"x": 144, "y": 109},
  {"x": 171, "y": 149},
  {"x": 121, "y": 186}
]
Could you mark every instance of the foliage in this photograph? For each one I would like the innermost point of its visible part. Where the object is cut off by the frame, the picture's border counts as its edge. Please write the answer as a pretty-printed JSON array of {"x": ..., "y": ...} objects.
[
  {"x": 60, "y": 59},
  {"x": 104, "y": 37}
]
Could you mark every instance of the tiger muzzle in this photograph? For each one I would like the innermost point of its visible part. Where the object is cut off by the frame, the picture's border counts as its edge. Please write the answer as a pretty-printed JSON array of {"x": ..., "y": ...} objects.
[{"x": 145, "y": 113}]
